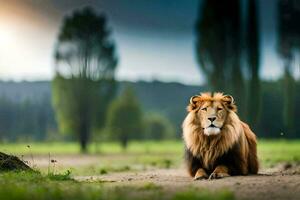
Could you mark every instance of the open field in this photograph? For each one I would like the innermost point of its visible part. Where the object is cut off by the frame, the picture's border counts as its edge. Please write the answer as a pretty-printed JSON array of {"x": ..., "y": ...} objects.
[
  {"x": 146, "y": 170},
  {"x": 270, "y": 151}
]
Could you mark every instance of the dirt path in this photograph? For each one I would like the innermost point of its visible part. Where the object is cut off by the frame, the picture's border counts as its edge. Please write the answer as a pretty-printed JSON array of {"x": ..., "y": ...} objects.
[
  {"x": 267, "y": 185},
  {"x": 280, "y": 182}
]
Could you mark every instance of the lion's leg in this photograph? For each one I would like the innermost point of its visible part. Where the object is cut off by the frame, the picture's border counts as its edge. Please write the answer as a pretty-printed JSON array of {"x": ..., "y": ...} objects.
[
  {"x": 200, "y": 174},
  {"x": 220, "y": 171},
  {"x": 194, "y": 166}
]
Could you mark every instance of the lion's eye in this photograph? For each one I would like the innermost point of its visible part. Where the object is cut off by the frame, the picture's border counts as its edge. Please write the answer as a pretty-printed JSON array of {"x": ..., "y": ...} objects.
[
  {"x": 205, "y": 109},
  {"x": 219, "y": 109}
]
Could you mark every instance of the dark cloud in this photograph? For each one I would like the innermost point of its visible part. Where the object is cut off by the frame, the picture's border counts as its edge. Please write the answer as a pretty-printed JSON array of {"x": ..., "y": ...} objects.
[
  {"x": 144, "y": 30},
  {"x": 174, "y": 16}
]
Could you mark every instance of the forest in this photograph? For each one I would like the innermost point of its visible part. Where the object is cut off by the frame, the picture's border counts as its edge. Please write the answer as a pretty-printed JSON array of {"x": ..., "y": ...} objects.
[{"x": 27, "y": 109}]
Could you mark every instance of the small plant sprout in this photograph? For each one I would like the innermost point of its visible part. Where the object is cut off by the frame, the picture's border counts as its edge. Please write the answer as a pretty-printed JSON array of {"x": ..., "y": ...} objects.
[
  {"x": 53, "y": 161},
  {"x": 31, "y": 155},
  {"x": 49, "y": 163}
]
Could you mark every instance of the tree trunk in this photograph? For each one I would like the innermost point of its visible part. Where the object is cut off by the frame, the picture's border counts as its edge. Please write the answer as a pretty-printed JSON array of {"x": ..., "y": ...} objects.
[
  {"x": 84, "y": 134},
  {"x": 254, "y": 100},
  {"x": 124, "y": 141},
  {"x": 289, "y": 100},
  {"x": 253, "y": 54},
  {"x": 238, "y": 89}
]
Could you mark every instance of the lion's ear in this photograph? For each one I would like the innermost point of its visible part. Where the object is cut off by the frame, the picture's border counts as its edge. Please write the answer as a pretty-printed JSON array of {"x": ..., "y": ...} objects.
[
  {"x": 193, "y": 103},
  {"x": 229, "y": 102},
  {"x": 228, "y": 99}
]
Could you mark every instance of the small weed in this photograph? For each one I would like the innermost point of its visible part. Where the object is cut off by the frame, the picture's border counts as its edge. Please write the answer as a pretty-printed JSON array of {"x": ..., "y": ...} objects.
[
  {"x": 60, "y": 177},
  {"x": 124, "y": 168},
  {"x": 106, "y": 170},
  {"x": 167, "y": 163},
  {"x": 103, "y": 171},
  {"x": 31, "y": 155}
]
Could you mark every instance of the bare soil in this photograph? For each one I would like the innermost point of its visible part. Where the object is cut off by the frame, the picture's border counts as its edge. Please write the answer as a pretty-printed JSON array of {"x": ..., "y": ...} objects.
[
  {"x": 279, "y": 182},
  {"x": 275, "y": 183}
]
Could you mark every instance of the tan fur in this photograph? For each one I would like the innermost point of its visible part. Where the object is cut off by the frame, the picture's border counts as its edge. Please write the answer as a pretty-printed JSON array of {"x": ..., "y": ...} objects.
[
  {"x": 233, "y": 131},
  {"x": 200, "y": 174},
  {"x": 220, "y": 171}
]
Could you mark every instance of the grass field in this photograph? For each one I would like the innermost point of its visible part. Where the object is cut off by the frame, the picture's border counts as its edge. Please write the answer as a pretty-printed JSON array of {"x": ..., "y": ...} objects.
[
  {"x": 107, "y": 147},
  {"x": 269, "y": 151},
  {"x": 55, "y": 181}
]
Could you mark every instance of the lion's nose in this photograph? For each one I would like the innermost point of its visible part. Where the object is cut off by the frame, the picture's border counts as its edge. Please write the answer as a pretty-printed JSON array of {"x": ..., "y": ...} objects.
[{"x": 212, "y": 119}]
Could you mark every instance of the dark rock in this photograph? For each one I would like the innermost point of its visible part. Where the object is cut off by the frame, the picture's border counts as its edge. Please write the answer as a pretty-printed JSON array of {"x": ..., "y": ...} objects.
[{"x": 11, "y": 163}]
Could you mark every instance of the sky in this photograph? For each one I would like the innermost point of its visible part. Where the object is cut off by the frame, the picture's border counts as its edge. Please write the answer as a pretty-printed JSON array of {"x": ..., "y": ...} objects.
[{"x": 155, "y": 39}]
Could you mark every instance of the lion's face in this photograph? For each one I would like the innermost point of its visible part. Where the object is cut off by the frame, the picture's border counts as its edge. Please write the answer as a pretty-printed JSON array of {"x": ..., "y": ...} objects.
[
  {"x": 211, "y": 111},
  {"x": 212, "y": 115}
]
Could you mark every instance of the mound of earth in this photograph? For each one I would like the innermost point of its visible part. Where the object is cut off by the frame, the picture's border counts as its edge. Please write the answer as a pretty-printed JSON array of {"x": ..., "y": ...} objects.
[{"x": 10, "y": 163}]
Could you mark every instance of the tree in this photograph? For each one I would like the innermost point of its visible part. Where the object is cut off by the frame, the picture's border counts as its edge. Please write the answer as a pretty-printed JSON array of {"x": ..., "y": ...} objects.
[
  {"x": 158, "y": 127},
  {"x": 85, "y": 66},
  {"x": 288, "y": 45},
  {"x": 253, "y": 54},
  {"x": 125, "y": 117},
  {"x": 218, "y": 46}
]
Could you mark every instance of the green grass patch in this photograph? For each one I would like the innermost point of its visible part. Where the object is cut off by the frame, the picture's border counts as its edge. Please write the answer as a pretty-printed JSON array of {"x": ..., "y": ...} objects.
[
  {"x": 271, "y": 152},
  {"x": 60, "y": 177},
  {"x": 151, "y": 186},
  {"x": 194, "y": 194},
  {"x": 136, "y": 147},
  {"x": 27, "y": 186}
]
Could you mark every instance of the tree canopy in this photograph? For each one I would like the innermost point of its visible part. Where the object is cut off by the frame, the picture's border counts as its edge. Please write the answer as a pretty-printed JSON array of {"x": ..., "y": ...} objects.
[{"x": 125, "y": 118}]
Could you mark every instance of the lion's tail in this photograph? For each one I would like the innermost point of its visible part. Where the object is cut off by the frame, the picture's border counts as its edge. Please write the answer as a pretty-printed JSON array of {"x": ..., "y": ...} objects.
[{"x": 253, "y": 164}]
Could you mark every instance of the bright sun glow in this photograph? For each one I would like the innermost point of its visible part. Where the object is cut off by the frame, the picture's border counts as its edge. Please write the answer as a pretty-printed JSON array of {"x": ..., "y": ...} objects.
[{"x": 6, "y": 36}]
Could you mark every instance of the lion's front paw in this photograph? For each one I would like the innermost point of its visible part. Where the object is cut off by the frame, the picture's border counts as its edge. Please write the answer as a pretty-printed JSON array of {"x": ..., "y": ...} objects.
[
  {"x": 200, "y": 174},
  {"x": 217, "y": 175},
  {"x": 201, "y": 177}
]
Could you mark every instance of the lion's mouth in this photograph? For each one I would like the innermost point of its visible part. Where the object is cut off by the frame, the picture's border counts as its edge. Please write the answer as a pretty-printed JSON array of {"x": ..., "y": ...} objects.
[{"x": 212, "y": 130}]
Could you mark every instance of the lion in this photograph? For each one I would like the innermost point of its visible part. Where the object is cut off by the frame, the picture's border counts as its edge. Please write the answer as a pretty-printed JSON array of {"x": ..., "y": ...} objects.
[{"x": 217, "y": 143}]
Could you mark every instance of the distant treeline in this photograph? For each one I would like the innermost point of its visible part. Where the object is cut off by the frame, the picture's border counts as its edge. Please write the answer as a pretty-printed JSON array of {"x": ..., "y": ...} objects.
[
  {"x": 27, "y": 119},
  {"x": 26, "y": 111}
]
